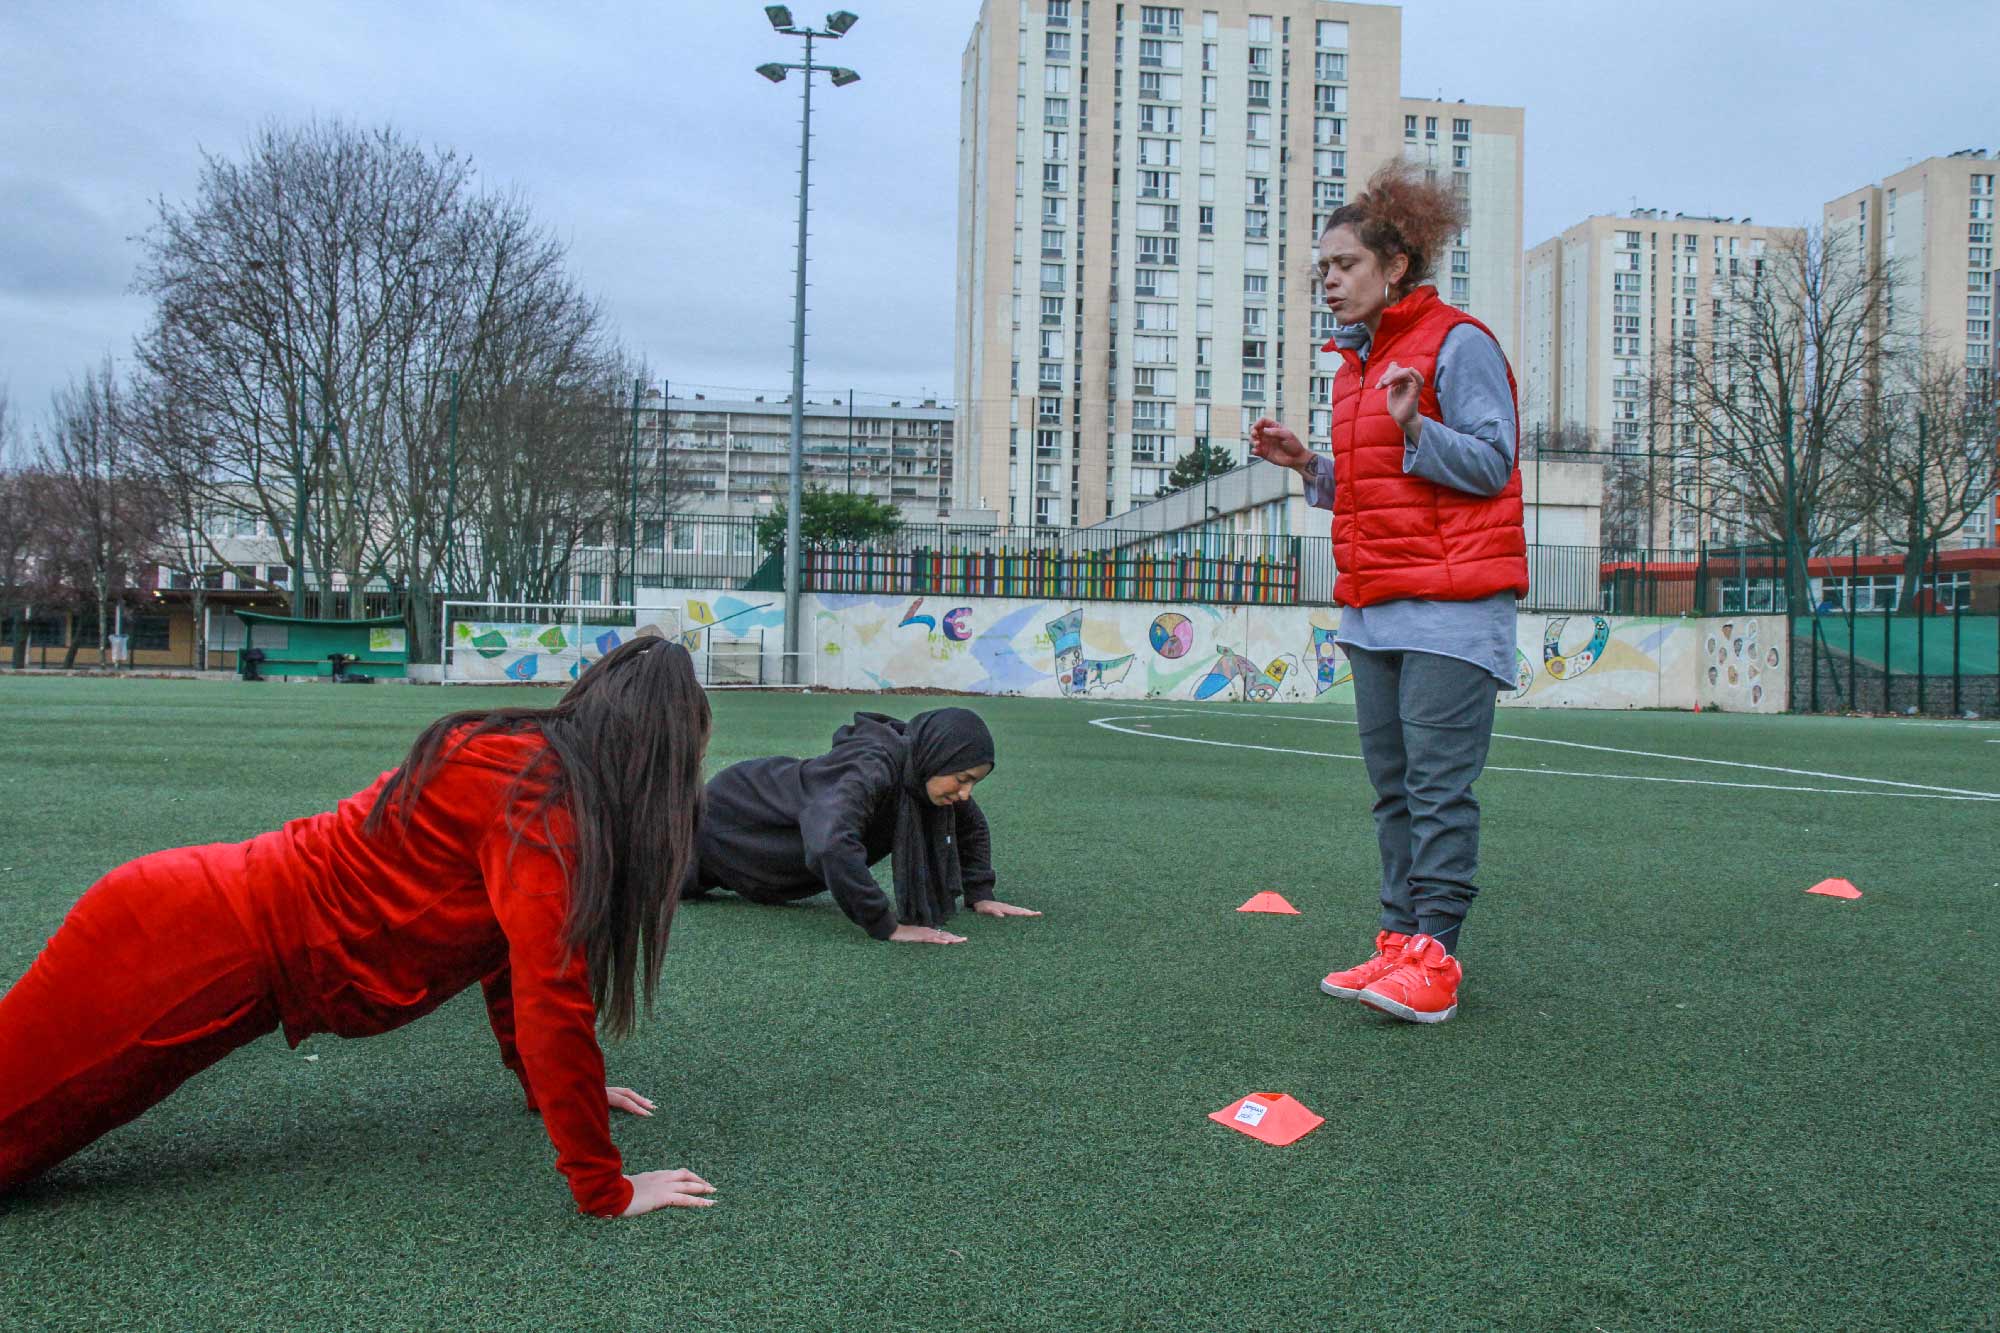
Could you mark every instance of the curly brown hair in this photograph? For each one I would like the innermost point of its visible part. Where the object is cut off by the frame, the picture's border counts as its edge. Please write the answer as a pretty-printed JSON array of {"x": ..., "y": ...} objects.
[{"x": 1403, "y": 213}]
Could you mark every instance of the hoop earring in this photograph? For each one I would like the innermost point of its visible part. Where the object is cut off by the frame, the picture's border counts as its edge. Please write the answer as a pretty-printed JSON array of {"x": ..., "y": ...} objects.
[{"x": 1388, "y": 294}]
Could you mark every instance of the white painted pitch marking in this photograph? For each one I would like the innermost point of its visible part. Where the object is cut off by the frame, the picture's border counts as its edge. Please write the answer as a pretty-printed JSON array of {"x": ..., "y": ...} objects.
[
  {"x": 1637, "y": 754},
  {"x": 1106, "y": 723}
]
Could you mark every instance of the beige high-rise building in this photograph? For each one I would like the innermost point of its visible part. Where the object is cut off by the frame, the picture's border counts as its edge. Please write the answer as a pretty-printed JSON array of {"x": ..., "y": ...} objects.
[
  {"x": 1140, "y": 189},
  {"x": 1603, "y": 304},
  {"x": 1933, "y": 222}
]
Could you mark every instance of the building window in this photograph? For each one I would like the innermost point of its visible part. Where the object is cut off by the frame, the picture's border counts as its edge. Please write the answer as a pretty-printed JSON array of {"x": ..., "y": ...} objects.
[
  {"x": 1330, "y": 98},
  {"x": 1253, "y": 387},
  {"x": 1055, "y": 146},
  {"x": 1329, "y": 162},
  {"x": 1461, "y": 291},
  {"x": 1159, "y": 21},
  {"x": 1461, "y": 131},
  {"x": 1052, "y": 277},
  {"x": 1409, "y": 127},
  {"x": 1260, "y": 92},
  {"x": 1052, "y": 245},
  {"x": 1330, "y": 35},
  {"x": 1330, "y": 67},
  {"x": 1048, "y": 407},
  {"x": 1328, "y": 132},
  {"x": 1207, "y": 220},
  {"x": 1256, "y": 222},
  {"x": 1260, "y": 28},
  {"x": 1259, "y": 126},
  {"x": 1055, "y": 46},
  {"x": 1058, "y": 13},
  {"x": 1055, "y": 80},
  {"x": 1430, "y": 127},
  {"x": 1055, "y": 177}
]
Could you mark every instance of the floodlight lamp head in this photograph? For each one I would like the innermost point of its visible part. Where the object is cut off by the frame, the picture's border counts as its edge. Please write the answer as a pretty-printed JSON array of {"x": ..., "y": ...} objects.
[
  {"x": 780, "y": 16},
  {"x": 774, "y": 72},
  {"x": 843, "y": 77},
  {"x": 840, "y": 20}
]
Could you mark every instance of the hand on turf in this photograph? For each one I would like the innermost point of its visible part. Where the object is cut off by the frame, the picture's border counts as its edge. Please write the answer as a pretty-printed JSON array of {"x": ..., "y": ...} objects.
[
  {"x": 667, "y": 1189},
  {"x": 1278, "y": 444},
  {"x": 994, "y": 907},
  {"x": 924, "y": 935},
  {"x": 624, "y": 1099}
]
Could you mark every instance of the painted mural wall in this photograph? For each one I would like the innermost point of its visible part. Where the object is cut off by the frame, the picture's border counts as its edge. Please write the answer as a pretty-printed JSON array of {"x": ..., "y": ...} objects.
[{"x": 1128, "y": 650}]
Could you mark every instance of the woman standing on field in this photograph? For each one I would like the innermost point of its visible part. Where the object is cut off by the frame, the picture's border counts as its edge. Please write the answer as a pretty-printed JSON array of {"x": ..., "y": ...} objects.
[{"x": 1425, "y": 490}]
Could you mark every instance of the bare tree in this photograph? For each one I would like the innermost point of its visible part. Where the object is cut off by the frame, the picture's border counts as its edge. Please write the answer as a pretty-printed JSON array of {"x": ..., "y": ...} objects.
[
  {"x": 288, "y": 295},
  {"x": 104, "y": 512},
  {"x": 23, "y": 505},
  {"x": 1774, "y": 400},
  {"x": 1930, "y": 456},
  {"x": 392, "y": 370}
]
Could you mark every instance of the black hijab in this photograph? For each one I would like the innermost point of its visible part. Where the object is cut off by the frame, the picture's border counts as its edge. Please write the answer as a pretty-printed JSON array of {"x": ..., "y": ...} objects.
[{"x": 945, "y": 740}]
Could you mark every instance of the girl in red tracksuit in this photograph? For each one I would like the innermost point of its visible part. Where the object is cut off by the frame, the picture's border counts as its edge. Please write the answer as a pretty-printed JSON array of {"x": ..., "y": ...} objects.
[{"x": 537, "y": 852}]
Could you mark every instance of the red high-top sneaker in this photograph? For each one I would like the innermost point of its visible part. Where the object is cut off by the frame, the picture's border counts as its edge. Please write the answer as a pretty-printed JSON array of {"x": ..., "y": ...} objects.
[
  {"x": 1388, "y": 952},
  {"x": 1421, "y": 988}
]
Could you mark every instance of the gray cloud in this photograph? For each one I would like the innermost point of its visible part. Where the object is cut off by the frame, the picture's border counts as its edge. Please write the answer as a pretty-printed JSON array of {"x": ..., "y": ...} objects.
[{"x": 641, "y": 134}]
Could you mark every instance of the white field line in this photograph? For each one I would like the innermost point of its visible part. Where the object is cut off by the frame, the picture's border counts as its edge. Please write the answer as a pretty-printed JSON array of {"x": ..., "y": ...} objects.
[
  {"x": 1638, "y": 754},
  {"x": 1109, "y": 724}
]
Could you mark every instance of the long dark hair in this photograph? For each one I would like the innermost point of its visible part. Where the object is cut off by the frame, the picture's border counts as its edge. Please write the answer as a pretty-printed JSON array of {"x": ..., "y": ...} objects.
[{"x": 623, "y": 758}]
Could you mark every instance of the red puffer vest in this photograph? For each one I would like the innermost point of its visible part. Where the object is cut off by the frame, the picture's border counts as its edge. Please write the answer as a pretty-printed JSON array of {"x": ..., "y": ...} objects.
[{"x": 1398, "y": 536}]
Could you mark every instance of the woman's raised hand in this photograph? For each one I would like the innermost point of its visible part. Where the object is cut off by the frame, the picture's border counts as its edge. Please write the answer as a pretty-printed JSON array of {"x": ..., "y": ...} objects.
[
  {"x": 924, "y": 935},
  {"x": 1275, "y": 443},
  {"x": 1405, "y": 386},
  {"x": 667, "y": 1189}
]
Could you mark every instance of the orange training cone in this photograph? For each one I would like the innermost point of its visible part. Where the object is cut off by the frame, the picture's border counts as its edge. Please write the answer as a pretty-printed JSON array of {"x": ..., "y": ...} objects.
[
  {"x": 1269, "y": 1117},
  {"x": 1835, "y": 888},
  {"x": 1269, "y": 902}
]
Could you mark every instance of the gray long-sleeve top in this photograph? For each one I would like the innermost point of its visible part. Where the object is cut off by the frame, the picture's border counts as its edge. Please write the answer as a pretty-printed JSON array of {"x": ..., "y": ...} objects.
[
  {"x": 1471, "y": 450},
  {"x": 779, "y": 829}
]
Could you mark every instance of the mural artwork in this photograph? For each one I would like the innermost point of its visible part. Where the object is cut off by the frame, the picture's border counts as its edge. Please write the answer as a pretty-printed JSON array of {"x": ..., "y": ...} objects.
[
  {"x": 1191, "y": 651},
  {"x": 1075, "y": 673}
]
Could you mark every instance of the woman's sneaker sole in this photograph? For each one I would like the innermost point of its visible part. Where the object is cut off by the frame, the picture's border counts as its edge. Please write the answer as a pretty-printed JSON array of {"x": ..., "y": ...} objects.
[
  {"x": 1339, "y": 992},
  {"x": 1387, "y": 1006}
]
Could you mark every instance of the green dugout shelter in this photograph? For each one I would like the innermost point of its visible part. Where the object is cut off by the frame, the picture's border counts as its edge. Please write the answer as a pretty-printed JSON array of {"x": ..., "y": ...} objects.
[{"x": 301, "y": 646}]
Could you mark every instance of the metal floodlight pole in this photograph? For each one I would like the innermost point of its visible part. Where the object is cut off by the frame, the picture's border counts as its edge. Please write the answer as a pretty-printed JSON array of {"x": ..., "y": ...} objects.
[
  {"x": 795, "y": 489},
  {"x": 837, "y": 24}
]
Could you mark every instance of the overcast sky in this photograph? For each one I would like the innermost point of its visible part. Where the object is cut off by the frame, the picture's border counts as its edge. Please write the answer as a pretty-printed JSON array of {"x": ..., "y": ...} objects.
[{"x": 641, "y": 134}]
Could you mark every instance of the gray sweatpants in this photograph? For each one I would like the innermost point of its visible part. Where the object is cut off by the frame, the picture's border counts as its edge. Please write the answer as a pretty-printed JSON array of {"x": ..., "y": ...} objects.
[{"x": 1426, "y": 722}]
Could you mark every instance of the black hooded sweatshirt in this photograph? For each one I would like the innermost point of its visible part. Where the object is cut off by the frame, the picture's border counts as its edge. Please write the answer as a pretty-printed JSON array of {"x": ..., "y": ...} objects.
[{"x": 779, "y": 829}]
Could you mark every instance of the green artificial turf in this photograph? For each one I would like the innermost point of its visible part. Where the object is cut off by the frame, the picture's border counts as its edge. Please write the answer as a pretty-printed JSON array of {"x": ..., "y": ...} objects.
[{"x": 1681, "y": 1093}]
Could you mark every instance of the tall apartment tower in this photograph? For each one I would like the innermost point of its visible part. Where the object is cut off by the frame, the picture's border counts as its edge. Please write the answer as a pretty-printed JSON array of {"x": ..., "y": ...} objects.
[
  {"x": 1605, "y": 303},
  {"x": 1140, "y": 189},
  {"x": 1934, "y": 221}
]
